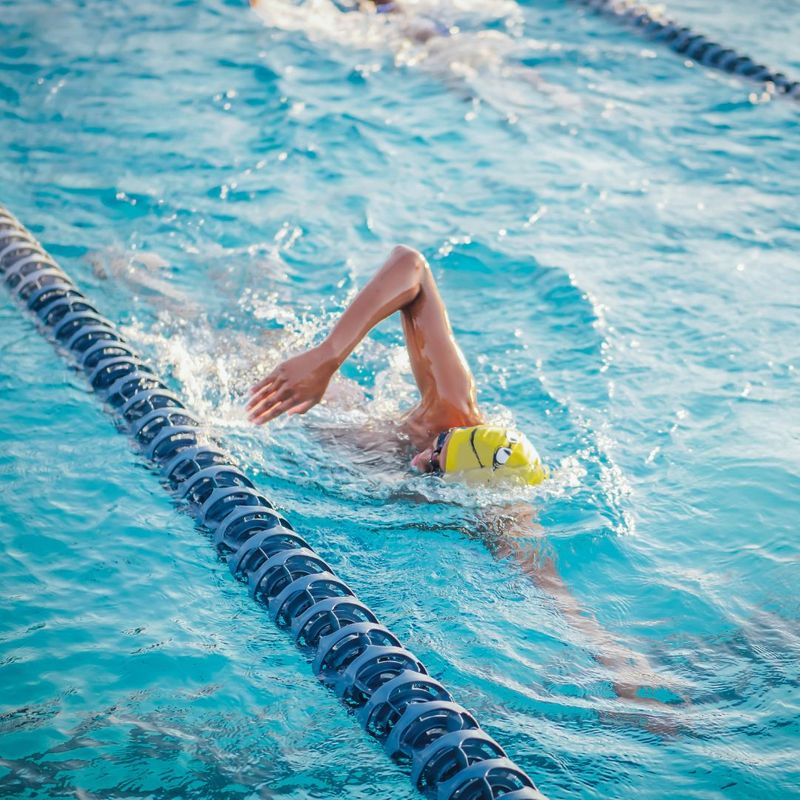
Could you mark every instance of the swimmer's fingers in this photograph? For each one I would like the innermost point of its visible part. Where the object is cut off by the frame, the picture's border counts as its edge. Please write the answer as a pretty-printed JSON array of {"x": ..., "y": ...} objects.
[
  {"x": 266, "y": 381},
  {"x": 266, "y": 414},
  {"x": 301, "y": 408},
  {"x": 260, "y": 398},
  {"x": 263, "y": 383},
  {"x": 257, "y": 400},
  {"x": 266, "y": 399},
  {"x": 275, "y": 411},
  {"x": 257, "y": 392},
  {"x": 262, "y": 394}
]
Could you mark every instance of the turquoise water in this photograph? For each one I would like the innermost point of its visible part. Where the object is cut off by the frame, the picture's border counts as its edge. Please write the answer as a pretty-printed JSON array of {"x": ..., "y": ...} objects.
[{"x": 615, "y": 234}]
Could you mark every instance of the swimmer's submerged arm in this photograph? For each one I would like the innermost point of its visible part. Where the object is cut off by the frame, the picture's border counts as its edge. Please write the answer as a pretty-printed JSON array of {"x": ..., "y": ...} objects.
[
  {"x": 630, "y": 670},
  {"x": 300, "y": 382}
]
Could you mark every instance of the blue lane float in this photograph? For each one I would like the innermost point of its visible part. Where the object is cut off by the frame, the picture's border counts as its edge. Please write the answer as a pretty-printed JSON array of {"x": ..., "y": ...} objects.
[
  {"x": 700, "y": 48},
  {"x": 387, "y": 687}
]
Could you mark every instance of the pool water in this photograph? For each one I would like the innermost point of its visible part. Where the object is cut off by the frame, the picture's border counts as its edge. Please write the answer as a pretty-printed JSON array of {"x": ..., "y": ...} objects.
[{"x": 615, "y": 233}]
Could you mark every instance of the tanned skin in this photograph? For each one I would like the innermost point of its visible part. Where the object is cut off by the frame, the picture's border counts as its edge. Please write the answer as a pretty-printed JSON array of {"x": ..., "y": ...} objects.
[{"x": 404, "y": 283}]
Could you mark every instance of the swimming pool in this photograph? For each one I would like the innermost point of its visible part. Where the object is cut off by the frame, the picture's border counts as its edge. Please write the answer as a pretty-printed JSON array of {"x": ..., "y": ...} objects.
[{"x": 614, "y": 233}]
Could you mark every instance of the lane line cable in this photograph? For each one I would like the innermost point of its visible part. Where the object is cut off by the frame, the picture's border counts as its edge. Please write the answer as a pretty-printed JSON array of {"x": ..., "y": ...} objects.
[{"x": 655, "y": 26}]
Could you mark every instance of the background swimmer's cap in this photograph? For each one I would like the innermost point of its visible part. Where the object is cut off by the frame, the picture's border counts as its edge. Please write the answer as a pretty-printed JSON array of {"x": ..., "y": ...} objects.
[{"x": 487, "y": 453}]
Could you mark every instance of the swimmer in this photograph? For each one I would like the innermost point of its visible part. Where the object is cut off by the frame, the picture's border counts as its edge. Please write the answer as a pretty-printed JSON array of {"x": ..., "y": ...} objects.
[
  {"x": 383, "y": 6},
  {"x": 418, "y": 27},
  {"x": 451, "y": 435}
]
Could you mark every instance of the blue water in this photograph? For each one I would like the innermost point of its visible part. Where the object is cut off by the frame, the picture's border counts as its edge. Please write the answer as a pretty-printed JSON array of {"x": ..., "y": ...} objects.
[{"x": 615, "y": 233}]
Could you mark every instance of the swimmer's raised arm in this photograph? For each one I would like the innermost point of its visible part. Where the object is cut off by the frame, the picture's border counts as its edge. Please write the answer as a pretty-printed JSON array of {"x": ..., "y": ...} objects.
[
  {"x": 404, "y": 283},
  {"x": 298, "y": 384}
]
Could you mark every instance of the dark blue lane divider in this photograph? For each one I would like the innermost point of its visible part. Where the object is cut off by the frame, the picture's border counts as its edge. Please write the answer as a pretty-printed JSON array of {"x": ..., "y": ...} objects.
[
  {"x": 693, "y": 45},
  {"x": 387, "y": 687}
]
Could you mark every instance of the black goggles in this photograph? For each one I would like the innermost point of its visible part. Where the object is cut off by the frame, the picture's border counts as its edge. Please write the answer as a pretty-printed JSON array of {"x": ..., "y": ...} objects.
[{"x": 433, "y": 463}]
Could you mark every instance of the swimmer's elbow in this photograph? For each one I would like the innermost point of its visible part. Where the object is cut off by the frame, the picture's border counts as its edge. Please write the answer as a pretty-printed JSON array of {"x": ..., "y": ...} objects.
[
  {"x": 410, "y": 259},
  {"x": 404, "y": 251},
  {"x": 408, "y": 271}
]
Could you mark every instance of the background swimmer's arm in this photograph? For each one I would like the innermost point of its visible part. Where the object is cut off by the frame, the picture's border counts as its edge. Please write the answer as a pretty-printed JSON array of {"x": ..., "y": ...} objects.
[{"x": 300, "y": 382}]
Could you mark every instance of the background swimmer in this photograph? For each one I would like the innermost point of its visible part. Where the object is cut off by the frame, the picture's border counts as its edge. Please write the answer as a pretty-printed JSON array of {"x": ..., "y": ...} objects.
[{"x": 416, "y": 27}]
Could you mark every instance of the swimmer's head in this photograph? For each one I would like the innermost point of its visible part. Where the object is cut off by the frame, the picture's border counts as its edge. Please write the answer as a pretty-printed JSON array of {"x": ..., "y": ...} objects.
[{"x": 483, "y": 454}]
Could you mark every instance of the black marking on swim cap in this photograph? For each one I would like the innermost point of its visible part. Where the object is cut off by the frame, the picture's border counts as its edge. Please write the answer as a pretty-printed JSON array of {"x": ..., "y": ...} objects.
[{"x": 472, "y": 445}]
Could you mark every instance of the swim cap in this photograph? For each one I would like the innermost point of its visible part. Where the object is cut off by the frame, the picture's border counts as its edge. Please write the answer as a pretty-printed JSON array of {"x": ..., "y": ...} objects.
[{"x": 486, "y": 453}]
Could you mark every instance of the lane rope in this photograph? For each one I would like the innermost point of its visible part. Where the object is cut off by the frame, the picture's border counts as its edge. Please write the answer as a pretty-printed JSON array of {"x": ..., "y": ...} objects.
[
  {"x": 702, "y": 49},
  {"x": 387, "y": 687}
]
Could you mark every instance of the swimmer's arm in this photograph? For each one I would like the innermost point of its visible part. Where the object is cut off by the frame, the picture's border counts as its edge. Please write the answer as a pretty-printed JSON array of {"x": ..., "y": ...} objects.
[
  {"x": 395, "y": 286},
  {"x": 630, "y": 670},
  {"x": 299, "y": 383}
]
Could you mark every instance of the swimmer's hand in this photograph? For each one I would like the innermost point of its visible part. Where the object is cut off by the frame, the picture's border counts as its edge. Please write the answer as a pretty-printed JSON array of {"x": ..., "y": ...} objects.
[{"x": 293, "y": 386}]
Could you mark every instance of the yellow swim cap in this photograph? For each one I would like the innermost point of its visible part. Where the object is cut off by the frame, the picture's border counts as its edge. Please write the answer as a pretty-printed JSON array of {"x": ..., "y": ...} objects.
[{"x": 487, "y": 453}]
